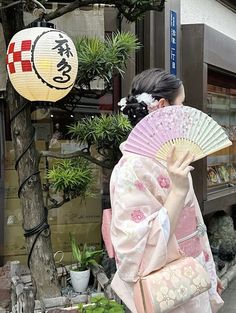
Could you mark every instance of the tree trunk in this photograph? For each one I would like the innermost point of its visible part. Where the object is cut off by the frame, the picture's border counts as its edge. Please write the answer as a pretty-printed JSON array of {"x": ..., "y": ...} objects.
[{"x": 42, "y": 265}]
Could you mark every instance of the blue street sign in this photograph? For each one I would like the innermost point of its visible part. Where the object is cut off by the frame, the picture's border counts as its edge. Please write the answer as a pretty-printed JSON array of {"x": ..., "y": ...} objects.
[{"x": 173, "y": 42}]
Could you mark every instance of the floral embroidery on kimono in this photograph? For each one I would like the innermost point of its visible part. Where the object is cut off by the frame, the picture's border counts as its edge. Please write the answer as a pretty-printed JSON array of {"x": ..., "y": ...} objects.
[
  {"x": 137, "y": 216},
  {"x": 163, "y": 181},
  {"x": 139, "y": 185},
  {"x": 140, "y": 230}
]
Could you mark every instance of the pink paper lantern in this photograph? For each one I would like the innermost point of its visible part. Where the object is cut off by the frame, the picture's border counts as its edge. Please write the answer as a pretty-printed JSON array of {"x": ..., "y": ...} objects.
[{"x": 42, "y": 63}]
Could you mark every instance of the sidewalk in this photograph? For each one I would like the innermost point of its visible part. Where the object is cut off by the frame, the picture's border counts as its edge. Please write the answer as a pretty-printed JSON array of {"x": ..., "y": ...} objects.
[{"x": 229, "y": 296}]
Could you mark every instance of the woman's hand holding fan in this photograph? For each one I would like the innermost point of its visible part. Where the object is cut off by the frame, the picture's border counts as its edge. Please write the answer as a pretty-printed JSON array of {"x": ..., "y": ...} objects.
[
  {"x": 178, "y": 171},
  {"x": 186, "y": 128}
]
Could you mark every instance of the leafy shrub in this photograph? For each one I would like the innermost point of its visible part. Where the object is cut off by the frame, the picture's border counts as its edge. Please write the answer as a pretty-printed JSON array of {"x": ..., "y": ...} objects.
[
  {"x": 84, "y": 258},
  {"x": 72, "y": 176},
  {"x": 102, "y": 305},
  {"x": 101, "y": 59}
]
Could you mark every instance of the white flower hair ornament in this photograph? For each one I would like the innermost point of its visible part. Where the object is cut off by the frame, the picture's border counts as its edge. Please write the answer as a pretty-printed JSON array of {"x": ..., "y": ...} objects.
[
  {"x": 122, "y": 104},
  {"x": 144, "y": 97},
  {"x": 152, "y": 103}
]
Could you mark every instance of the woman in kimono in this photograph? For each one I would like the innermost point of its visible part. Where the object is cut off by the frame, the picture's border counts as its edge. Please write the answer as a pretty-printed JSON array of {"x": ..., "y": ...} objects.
[{"x": 155, "y": 213}]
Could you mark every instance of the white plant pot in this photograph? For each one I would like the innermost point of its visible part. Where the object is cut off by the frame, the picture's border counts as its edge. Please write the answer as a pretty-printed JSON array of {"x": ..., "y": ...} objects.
[{"x": 80, "y": 280}]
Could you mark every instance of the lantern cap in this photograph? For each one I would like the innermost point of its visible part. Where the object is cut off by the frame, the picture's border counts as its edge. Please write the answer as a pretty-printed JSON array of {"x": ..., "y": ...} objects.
[{"x": 42, "y": 24}]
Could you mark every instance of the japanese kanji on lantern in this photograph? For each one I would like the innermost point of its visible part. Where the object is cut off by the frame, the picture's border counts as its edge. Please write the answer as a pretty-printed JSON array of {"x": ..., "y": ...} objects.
[{"x": 42, "y": 63}]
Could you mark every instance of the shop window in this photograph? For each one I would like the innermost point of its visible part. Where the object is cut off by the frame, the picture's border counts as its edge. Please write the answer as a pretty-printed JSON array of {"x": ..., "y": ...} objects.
[{"x": 221, "y": 105}]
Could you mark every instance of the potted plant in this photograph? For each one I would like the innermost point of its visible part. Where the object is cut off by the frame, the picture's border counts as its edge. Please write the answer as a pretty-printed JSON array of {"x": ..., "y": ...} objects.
[
  {"x": 84, "y": 258},
  {"x": 101, "y": 305}
]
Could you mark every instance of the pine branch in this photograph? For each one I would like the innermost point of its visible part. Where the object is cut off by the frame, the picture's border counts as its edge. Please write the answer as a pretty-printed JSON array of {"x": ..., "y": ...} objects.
[
  {"x": 76, "y": 154},
  {"x": 56, "y": 204},
  {"x": 121, "y": 5},
  {"x": 7, "y": 6}
]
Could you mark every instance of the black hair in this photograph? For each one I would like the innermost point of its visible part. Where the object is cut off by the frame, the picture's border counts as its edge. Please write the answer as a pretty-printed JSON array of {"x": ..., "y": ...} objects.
[
  {"x": 156, "y": 82},
  {"x": 135, "y": 110}
]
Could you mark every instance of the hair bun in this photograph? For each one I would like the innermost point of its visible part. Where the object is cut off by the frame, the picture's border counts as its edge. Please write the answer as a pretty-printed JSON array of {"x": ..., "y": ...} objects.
[
  {"x": 131, "y": 99},
  {"x": 136, "y": 107},
  {"x": 135, "y": 111}
]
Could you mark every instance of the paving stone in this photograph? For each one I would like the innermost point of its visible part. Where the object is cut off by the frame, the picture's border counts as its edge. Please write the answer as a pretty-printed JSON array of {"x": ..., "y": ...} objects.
[
  {"x": 67, "y": 310},
  {"x": 229, "y": 296}
]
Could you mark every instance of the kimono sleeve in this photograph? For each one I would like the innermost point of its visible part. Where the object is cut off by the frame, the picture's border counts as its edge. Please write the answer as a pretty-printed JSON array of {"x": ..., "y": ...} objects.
[{"x": 140, "y": 223}]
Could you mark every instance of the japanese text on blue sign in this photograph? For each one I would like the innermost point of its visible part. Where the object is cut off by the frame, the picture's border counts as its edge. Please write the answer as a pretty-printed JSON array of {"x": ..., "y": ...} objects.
[{"x": 173, "y": 42}]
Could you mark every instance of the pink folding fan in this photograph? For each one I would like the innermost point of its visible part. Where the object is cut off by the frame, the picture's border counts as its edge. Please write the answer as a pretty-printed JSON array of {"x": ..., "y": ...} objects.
[{"x": 184, "y": 127}]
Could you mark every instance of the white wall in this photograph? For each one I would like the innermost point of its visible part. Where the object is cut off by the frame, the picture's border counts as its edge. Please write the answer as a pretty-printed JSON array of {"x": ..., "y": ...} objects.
[
  {"x": 77, "y": 23},
  {"x": 209, "y": 12}
]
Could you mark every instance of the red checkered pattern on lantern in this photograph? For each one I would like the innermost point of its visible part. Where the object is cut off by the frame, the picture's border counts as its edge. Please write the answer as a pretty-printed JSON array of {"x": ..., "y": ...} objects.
[{"x": 21, "y": 56}]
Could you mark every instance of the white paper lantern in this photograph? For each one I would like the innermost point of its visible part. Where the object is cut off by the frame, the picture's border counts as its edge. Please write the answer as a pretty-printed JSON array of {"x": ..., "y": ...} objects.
[{"x": 42, "y": 63}]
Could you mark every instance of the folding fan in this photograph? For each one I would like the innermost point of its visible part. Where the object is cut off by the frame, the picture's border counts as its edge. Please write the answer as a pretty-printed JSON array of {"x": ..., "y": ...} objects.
[{"x": 184, "y": 127}]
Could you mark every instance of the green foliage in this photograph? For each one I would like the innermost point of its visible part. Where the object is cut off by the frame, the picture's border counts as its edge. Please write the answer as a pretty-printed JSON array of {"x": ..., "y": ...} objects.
[
  {"x": 134, "y": 10},
  {"x": 101, "y": 130},
  {"x": 84, "y": 258},
  {"x": 102, "y": 305},
  {"x": 83, "y": 131},
  {"x": 106, "y": 132},
  {"x": 111, "y": 130},
  {"x": 101, "y": 59},
  {"x": 73, "y": 176},
  {"x": 118, "y": 50}
]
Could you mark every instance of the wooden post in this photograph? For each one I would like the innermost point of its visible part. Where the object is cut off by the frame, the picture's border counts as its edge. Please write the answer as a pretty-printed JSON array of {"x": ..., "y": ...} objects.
[
  {"x": 14, "y": 274},
  {"x": 14, "y": 281},
  {"x": 15, "y": 268},
  {"x": 26, "y": 301},
  {"x": 103, "y": 280}
]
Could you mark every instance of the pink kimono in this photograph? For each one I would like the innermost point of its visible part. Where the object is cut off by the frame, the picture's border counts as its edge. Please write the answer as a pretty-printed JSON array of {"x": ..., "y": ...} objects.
[{"x": 140, "y": 230}]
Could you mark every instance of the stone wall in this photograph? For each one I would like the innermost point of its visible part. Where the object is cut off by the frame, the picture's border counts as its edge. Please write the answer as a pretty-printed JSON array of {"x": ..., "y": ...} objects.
[{"x": 5, "y": 287}]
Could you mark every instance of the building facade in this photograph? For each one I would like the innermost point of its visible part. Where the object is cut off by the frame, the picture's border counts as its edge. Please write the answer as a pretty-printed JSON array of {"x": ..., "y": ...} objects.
[{"x": 194, "y": 40}]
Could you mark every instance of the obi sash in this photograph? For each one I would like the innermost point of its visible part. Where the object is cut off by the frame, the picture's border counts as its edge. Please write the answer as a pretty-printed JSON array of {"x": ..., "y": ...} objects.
[{"x": 189, "y": 231}]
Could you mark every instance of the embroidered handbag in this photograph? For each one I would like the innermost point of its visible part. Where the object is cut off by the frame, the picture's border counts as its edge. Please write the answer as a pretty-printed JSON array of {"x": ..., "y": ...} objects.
[{"x": 170, "y": 287}]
